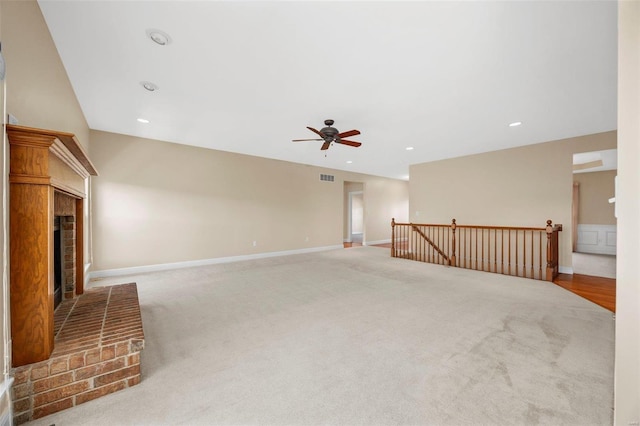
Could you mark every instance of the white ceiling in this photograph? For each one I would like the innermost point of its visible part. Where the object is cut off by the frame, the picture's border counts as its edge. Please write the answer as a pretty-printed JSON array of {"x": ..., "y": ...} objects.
[{"x": 248, "y": 76}]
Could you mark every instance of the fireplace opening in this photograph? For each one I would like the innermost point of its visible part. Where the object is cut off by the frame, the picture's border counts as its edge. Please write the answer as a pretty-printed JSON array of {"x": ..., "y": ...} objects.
[
  {"x": 64, "y": 258},
  {"x": 58, "y": 259}
]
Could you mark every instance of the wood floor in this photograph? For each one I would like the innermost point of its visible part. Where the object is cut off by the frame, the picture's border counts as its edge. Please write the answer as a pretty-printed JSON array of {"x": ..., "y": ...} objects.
[
  {"x": 348, "y": 245},
  {"x": 599, "y": 290}
]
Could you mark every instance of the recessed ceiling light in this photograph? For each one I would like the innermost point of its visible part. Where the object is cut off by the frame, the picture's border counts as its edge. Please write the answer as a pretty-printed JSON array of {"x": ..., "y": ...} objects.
[
  {"x": 149, "y": 86},
  {"x": 143, "y": 120},
  {"x": 515, "y": 124},
  {"x": 349, "y": 161},
  {"x": 159, "y": 37},
  {"x": 409, "y": 148}
]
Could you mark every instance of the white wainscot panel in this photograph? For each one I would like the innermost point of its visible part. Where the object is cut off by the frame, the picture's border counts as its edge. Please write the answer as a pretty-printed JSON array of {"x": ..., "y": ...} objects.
[
  {"x": 599, "y": 239},
  {"x": 611, "y": 239}
]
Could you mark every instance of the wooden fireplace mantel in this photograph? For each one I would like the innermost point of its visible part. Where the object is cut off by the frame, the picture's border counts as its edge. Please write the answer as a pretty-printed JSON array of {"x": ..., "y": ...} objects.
[{"x": 41, "y": 163}]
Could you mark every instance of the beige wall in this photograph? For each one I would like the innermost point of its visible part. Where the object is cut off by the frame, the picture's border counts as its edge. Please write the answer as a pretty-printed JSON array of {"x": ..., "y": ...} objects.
[
  {"x": 158, "y": 202},
  {"x": 595, "y": 190},
  {"x": 38, "y": 90},
  {"x": 521, "y": 186},
  {"x": 352, "y": 186},
  {"x": 627, "y": 374},
  {"x": 384, "y": 199}
]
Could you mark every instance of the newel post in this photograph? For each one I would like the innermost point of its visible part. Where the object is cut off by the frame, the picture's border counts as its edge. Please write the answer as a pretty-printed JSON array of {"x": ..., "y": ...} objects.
[
  {"x": 452, "y": 259},
  {"x": 550, "y": 254},
  {"x": 393, "y": 237}
]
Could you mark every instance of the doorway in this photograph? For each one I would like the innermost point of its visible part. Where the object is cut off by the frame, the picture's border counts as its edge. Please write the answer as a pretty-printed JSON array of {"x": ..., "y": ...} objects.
[
  {"x": 356, "y": 217},
  {"x": 593, "y": 213},
  {"x": 354, "y": 232}
]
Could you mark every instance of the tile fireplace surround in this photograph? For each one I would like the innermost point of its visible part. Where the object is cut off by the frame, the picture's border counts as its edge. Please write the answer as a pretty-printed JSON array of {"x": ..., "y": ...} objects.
[{"x": 98, "y": 339}]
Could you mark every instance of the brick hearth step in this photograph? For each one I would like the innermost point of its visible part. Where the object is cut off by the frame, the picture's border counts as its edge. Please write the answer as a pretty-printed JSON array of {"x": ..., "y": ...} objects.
[{"x": 98, "y": 339}]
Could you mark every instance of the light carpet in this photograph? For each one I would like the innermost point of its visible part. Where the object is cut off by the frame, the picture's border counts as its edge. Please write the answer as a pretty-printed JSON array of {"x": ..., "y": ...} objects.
[{"x": 354, "y": 337}]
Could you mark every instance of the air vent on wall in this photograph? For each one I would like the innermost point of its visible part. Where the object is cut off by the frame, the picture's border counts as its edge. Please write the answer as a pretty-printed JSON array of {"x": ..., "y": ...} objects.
[{"x": 327, "y": 178}]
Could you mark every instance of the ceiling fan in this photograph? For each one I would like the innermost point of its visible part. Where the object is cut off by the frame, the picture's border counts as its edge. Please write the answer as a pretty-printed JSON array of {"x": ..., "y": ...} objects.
[{"x": 331, "y": 134}]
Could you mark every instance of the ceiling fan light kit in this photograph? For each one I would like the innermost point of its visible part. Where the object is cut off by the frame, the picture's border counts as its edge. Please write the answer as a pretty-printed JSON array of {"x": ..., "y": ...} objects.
[{"x": 330, "y": 134}]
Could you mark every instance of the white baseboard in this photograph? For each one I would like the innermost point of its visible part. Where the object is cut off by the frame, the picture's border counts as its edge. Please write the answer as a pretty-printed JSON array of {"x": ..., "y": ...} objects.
[
  {"x": 203, "y": 262},
  {"x": 565, "y": 270},
  {"x": 350, "y": 239},
  {"x": 373, "y": 243}
]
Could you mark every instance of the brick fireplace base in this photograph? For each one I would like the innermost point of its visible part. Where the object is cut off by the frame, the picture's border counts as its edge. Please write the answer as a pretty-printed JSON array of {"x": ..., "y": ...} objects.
[{"x": 98, "y": 339}]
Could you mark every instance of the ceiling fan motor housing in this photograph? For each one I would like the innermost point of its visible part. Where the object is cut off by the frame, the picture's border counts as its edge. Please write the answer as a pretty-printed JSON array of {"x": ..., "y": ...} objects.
[{"x": 330, "y": 133}]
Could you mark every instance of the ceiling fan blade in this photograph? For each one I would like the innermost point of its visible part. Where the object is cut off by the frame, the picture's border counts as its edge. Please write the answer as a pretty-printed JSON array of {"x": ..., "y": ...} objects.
[
  {"x": 350, "y": 143},
  {"x": 348, "y": 133},
  {"x": 317, "y": 132},
  {"x": 302, "y": 140},
  {"x": 325, "y": 145}
]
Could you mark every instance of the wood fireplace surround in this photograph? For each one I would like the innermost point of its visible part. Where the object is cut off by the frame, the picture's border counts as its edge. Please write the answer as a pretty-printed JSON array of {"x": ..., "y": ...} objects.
[{"x": 47, "y": 176}]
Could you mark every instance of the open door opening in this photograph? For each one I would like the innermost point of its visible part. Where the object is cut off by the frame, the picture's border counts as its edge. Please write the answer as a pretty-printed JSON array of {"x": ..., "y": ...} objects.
[
  {"x": 593, "y": 214},
  {"x": 354, "y": 229},
  {"x": 356, "y": 217}
]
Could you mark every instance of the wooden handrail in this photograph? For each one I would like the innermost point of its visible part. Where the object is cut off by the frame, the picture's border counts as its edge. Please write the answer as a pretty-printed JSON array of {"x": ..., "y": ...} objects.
[
  {"x": 511, "y": 250},
  {"x": 519, "y": 228}
]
